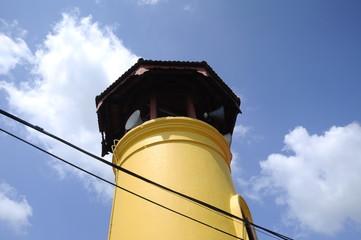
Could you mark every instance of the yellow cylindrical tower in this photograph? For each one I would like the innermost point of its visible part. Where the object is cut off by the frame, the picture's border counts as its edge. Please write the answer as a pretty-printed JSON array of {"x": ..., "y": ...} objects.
[
  {"x": 186, "y": 155},
  {"x": 186, "y": 151}
]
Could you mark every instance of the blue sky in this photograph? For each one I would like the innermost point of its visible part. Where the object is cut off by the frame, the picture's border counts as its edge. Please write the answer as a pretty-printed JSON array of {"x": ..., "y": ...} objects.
[{"x": 296, "y": 66}]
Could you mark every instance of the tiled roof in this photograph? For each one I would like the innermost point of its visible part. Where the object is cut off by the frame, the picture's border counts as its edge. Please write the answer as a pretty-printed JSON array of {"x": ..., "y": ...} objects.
[{"x": 158, "y": 63}]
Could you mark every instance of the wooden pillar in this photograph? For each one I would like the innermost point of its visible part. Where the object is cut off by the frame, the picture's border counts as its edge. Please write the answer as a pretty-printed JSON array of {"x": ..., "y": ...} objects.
[
  {"x": 153, "y": 106},
  {"x": 191, "y": 112}
]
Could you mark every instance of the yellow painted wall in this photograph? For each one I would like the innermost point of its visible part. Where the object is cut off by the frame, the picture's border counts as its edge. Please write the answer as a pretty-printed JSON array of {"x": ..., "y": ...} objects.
[{"x": 186, "y": 155}]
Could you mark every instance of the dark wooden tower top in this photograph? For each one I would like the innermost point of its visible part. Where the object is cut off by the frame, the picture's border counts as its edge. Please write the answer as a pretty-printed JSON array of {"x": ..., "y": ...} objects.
[{"x": 165, "y": 88}]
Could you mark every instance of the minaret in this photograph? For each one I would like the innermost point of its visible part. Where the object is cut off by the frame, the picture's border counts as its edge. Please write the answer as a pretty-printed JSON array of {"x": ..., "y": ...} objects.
[{"x": 172, "y": 122}]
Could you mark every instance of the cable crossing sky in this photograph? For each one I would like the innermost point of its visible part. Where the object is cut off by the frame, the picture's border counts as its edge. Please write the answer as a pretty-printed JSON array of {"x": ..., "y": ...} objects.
[{"x": 196, "y": 201}]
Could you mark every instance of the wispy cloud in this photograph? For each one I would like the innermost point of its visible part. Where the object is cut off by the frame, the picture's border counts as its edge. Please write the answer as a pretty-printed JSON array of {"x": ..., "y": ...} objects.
[
  {"x": 12, "y": 29},
  {"x": 189, "y": 8},
  {"x": 77, "y": 61},
  {"x": 15, "y": 211},
  {"x": 240, "y": 130},
  {"x": 240, "y": 135},
  {"x": 148, "y": 2},
  {"x": 13, "y": 52},
  {"x": 320, "y": 181}
]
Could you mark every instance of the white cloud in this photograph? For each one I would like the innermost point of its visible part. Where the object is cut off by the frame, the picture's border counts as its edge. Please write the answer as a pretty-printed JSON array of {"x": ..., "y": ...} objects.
[
  {"x": 239, "y": 137},
  {"x": 14, "y": 209},
  {"x": 147, "y": 2},
  {"x": 237, "y": 171},
  {"x": 321, "y": 182},
  {"x": 240, "y": 130},
  {"x": 12, "y": 52},
  {"x": 12, "y": 29},
  {"x": 188, "y": 8},
  {"x": 77, "y": 61}
]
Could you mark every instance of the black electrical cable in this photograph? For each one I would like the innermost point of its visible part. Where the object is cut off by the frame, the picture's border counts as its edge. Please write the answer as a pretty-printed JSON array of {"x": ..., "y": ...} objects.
[
  {"x": 116, "y": 185},
  {"x": 141, "y": 177},
  {"x": 268, "y": 234}
]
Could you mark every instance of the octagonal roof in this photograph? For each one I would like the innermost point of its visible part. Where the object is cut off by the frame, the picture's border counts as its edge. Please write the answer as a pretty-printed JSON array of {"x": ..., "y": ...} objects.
[{"x": 175, "y": 85}]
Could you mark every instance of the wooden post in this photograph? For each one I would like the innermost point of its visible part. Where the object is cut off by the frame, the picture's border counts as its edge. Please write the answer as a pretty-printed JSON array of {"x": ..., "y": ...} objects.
[
  {"x": 153, "y": 106},
  {"x": 191, "y": 112}
]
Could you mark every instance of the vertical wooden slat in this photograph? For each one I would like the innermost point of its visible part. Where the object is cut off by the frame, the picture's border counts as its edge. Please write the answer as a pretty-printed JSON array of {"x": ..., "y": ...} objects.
[
  {"x": 153, "y": 106},
  {"x": 191, "y": 112}
]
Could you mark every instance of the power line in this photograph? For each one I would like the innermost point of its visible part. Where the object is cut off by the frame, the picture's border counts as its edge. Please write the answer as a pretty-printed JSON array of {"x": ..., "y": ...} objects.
[
  {"x": 116, "y": 185},
  {"x": 211, "y": 207},
  {"x": 268, "y": 234}
]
